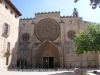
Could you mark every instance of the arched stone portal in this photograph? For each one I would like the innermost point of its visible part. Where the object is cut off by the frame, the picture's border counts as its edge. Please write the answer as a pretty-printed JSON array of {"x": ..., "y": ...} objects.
[{"x": 47, "y": 55}]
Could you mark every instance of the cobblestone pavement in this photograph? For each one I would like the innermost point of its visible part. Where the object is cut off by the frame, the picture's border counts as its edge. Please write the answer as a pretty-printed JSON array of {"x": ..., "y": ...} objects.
[{"x": 48, "y": 72}]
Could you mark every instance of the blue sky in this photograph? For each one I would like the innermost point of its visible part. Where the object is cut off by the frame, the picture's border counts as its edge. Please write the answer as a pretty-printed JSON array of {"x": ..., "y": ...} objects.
[{"x": 28, "y": 8}]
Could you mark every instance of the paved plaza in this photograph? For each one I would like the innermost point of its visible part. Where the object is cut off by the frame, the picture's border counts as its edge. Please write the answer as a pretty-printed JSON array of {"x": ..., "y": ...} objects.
[
  {"x": 48, "y": 72},
  {"x": 37, "y": 73}
]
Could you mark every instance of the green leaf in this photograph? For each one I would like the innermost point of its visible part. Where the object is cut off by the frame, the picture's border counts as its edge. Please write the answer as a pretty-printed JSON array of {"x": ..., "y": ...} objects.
[{"x": 88, "y": 42}]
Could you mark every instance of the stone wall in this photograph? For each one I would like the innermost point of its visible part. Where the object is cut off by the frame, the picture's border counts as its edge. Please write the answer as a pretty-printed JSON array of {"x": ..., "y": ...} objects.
[
  {"x": 65, "y": 46},
  {"x": 13, "y": 21}
]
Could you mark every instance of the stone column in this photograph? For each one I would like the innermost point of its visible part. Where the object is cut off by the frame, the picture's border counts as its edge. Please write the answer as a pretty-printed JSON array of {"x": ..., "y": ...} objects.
[
  {"x": 62, "y": 42},
  {"x": 33, "y": 56},
  {"x": 99, "y": 60},
  {"x": 19, "y": 64},
  {"x": 60, "y": 62},
  {"x": 24, "y": 64}
]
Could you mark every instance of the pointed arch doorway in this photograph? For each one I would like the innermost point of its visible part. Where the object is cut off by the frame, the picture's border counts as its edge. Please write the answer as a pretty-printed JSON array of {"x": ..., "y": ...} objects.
[{"x": 47, "y": 55}]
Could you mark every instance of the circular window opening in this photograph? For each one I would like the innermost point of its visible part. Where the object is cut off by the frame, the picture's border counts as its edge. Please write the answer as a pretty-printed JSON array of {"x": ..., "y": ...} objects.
[
  {"x": 47, "y": 29},
  {"x": 25, "y": 37},
  {"x": 71, "y": 34}
]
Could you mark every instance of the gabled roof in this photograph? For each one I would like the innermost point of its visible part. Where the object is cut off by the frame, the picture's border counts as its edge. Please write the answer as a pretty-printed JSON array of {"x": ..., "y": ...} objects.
[{"x": 13, "y": 7}]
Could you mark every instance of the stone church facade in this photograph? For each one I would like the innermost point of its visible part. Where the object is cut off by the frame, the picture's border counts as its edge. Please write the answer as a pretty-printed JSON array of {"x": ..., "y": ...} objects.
[{"x": 46, "y": 41}]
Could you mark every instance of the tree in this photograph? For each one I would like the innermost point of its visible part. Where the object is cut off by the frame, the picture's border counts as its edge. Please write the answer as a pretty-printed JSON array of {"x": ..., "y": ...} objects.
[
  {"x": 93, "y": 3},
  {"x": 88, "y": 42}
]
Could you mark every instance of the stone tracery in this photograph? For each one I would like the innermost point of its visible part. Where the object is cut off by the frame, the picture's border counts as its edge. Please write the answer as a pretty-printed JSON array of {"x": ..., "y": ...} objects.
[
  {"x": 71, "y": 34},
  {"x": 47, "y": 29}
]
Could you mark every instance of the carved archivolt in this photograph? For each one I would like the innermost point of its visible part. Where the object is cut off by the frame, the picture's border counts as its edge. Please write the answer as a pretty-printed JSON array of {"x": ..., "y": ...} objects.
[{"x": 47, "y": 29}]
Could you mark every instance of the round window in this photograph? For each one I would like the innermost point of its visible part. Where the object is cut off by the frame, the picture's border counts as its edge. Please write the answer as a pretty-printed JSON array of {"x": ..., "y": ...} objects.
[
  {"x": 47, "y": 29},
  {"x": 71, "y": 34}
]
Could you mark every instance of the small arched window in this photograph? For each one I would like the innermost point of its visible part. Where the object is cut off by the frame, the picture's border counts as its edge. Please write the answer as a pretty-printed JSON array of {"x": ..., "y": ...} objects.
[
  {"x": 6, "y": 30},
  {"x": 11, "y": 12},
  {"x": 7, "y": 60},
  {"x": 8, "y": 47}
]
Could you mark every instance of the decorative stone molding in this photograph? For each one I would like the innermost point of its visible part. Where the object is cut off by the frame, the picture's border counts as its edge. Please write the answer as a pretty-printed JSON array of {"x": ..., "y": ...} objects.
[
  {"x": 26, "y": 18},
  {"x": 66, "y": 16},
  {"x": 47, "y": 12},
  {"x": 57, "y": 43},
  {"x": 71, "y": 34}
]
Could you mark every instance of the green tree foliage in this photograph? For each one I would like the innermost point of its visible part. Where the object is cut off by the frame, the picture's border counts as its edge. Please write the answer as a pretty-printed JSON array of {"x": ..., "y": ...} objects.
[
  {"x": 88, "y": 42},
  {"x": 93, "y": 3}
]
